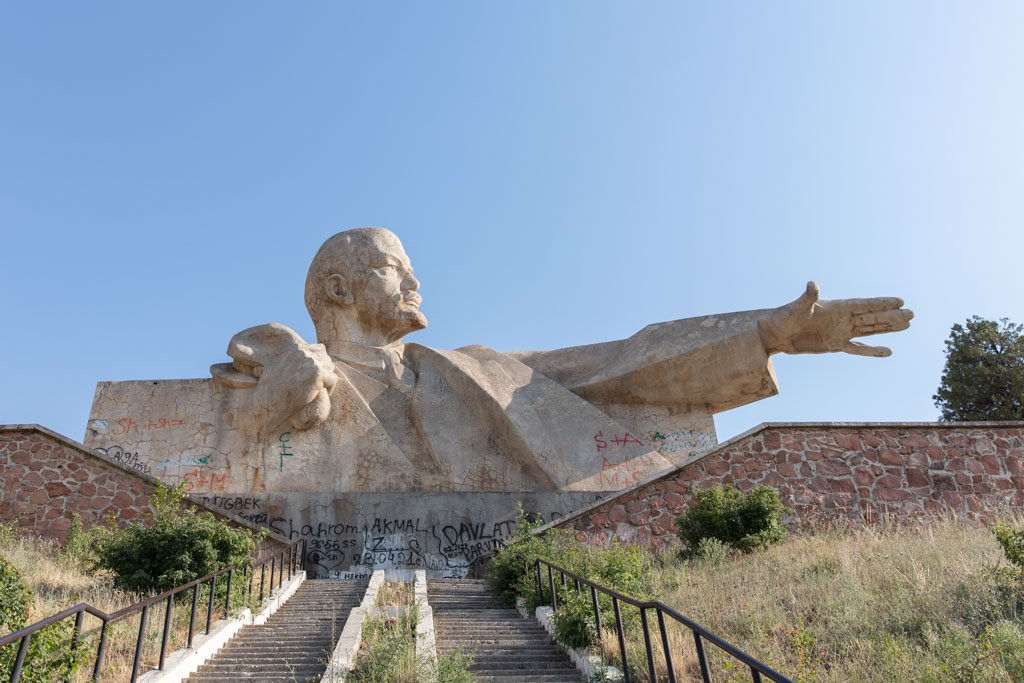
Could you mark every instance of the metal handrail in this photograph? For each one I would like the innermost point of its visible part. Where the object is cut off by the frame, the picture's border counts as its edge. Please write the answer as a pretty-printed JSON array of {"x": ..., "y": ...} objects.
[
  {"x": 289, "y": 559},
  {"x": 700, "y": 634}
]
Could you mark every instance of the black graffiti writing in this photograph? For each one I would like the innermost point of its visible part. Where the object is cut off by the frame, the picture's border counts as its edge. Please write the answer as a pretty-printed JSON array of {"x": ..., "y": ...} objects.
[
  {"x": 232, "y": 503},
  {"x": 127, "y": 458}
]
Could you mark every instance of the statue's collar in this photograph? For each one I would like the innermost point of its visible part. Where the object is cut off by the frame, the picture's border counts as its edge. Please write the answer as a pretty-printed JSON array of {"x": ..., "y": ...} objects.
[{"x": 362, "y": 356}]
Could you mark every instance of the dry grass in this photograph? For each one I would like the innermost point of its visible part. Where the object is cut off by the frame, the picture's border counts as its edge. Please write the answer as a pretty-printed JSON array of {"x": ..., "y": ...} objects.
[
  {"x": 395, "y": 594},
  {"x": 933, "y": 602},
  {"x": 387, "y": 653},
  {"x": 58, "y": 581}
]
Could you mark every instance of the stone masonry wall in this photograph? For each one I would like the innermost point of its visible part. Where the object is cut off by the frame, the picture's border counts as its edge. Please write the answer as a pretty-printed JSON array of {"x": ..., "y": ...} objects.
[
  {"x": 46, "y": 478},
  {"x": 832, "y": 471}
]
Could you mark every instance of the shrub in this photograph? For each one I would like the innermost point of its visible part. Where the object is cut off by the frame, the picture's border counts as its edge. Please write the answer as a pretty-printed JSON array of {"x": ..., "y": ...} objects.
[
  {"x": 624, "y": 568},
  {"x": 507, "y": 569},
  {"x": 15, "y": 598},
  {"x": 51, "y": 655},
  {"x": 1012, "y": 541},
  {"x": 180, "y": 545},
  {"x": 746, "y": 521},
  {"x": 388, "y": 650},
  {"x": 574, "y": 621},
  {"x": 710, "y": 551}
]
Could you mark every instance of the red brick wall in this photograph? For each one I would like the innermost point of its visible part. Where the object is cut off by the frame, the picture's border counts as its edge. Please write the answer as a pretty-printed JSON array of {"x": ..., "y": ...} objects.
[
  {"x": 46, "y": 478},
  {"x": 833, "y": 471}
]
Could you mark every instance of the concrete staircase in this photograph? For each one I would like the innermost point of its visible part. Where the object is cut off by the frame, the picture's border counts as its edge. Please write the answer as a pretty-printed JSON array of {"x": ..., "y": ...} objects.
[
  {"x": 295, "y": 642},
  {"x": 469, "y": 616}
]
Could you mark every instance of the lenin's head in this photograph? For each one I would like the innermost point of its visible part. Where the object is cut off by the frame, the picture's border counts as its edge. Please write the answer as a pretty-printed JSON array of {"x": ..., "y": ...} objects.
[{"x": 360, "y": 288}]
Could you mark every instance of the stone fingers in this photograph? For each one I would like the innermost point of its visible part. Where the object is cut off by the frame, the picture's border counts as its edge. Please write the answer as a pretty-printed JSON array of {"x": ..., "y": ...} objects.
[
  {"x": 881, "y": 303},
  {"x": 881, "y": 322},
  {"x": 858, "y": 349}
]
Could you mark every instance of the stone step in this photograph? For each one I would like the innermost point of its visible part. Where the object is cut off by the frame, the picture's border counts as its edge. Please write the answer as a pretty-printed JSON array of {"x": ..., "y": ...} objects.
[
  {"x": 303, "y": 668},
  {"x": 520, "y": 677},
  {"x": 261, "y": 677},
  {"x": 295, "y": 642},
  {"x": 506, "y": 648}
]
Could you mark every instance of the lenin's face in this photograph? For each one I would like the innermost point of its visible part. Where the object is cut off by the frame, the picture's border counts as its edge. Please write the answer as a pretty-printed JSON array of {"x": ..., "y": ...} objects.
[{"x": 385, "y": 290}]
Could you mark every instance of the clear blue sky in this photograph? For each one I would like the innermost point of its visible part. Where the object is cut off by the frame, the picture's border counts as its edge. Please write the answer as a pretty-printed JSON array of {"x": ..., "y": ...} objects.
[{"x": 560, "y": 173}]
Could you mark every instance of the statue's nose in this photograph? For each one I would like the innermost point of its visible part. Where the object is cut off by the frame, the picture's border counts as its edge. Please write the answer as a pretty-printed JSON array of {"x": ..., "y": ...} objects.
[{"x": 410, "y": 282}]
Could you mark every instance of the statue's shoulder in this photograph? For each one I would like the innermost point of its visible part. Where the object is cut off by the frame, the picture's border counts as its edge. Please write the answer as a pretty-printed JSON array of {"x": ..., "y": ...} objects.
[{"x": 474, "y": 352}]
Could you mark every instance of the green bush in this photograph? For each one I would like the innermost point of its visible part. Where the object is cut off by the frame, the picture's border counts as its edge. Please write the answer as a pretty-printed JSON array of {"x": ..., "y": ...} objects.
[
  {"x": 453, "y": 667},
  {"x": 1012, "y": 541},
  {"x": 506, "y": 571},
  {"x": 51, "y": 655},
  {"x": 15, "y": 598},
  {"x": 746, "y": 521},
  {"x": 574, "y": 621},
  {"x": 388, "y": 650},
  {"x": 180, "y": 545}
]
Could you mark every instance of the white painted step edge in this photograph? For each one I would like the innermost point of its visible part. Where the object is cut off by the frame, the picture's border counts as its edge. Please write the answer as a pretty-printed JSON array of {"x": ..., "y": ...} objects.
[
  {"x": 590, "y": 665},
  {"x": 180, "y": 664},
  {"x": 344, "y": 655}
]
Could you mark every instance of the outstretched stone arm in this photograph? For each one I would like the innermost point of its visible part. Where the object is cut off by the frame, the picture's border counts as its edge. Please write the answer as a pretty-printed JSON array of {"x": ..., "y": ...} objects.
[
  {"x": 717, "y": 362},
  {"x": 721, "y": 361}
]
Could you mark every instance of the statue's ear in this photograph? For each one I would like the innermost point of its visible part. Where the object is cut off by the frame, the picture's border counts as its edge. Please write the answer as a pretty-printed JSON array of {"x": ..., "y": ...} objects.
[{"x": 338, "y": 290}]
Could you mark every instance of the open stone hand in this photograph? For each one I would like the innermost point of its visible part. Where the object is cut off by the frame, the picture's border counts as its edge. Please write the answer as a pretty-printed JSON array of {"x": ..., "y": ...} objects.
[{"x": 809, "y": 325}]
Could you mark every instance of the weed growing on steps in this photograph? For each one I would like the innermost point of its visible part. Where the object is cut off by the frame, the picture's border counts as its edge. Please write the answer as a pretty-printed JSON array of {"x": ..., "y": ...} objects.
[{"x": 388, "y": 650}]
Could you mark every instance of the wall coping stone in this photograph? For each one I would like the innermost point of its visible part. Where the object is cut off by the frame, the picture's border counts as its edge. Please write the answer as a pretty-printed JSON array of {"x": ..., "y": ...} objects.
[
  {"x": 769, "y": 426},
  {"x": 149, "y": 479}
]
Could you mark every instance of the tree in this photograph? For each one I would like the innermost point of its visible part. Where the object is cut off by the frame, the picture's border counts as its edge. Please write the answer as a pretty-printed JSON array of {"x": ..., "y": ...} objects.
[{"x": 984, "y": 374}]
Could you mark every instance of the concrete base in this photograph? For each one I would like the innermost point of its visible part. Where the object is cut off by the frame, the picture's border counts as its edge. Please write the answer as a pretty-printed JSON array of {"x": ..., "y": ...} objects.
[{"x": 349, "y": 535}]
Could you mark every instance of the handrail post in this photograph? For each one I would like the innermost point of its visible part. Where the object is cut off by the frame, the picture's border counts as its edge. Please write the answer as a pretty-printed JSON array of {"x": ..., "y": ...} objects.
[
  {"x": 19, "y": 660},
  {"x": 302, "y": 560},
  {"x": 79, "y": 618},
  {"x": 702, "y": 658},
  {"x": 597, "y": 617},
  {"x": 209, "y": 609},
  {"x": 227, "y": 600},
  {"x": 647, "y": 645},
  {"x": 138, "y": 643},
  {"x": 280, "y": 574},
  {"x": 664, "y": 646},
  {"x": 263, "y": 572},
  {"x": 551, "y": 580},
  {"x": 192, "y": 615},
  {"x": 622, "y": 637},
  {"x": 101, "y": 651},
  {"x": 540, "y": 584},
  {"x": 167, "y": 630},
  {"x": 272, "y": 567}
]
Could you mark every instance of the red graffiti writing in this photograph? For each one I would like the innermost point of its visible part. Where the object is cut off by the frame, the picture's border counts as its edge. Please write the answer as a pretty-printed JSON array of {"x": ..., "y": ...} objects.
[
  {"x": 626, "y": 439},
  {"x": 127, "y": 425},
  {"x": 621, "y": 475},
  {"x": 162, "y": 423},
  {"x": 197, "y": 480}
]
